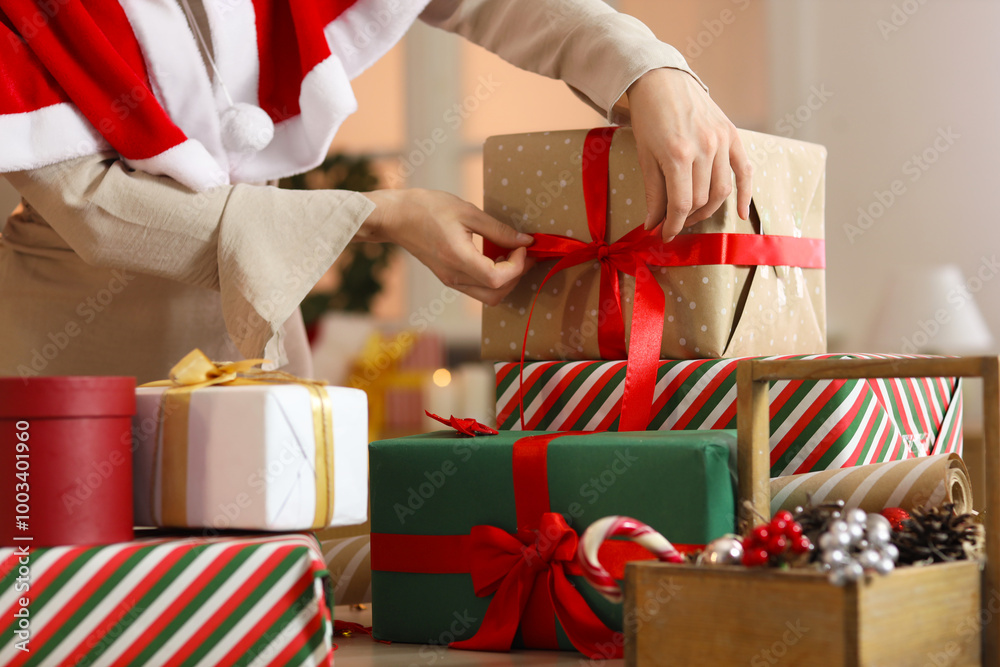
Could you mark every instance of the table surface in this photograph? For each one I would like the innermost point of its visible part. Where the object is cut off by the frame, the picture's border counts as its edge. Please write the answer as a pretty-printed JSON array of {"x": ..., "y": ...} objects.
[{"x": 361, "y": 651}]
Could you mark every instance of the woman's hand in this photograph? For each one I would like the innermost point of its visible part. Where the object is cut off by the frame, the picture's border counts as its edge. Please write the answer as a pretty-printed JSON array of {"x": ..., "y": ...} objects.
[
  {"x": 437, "y": 228},
  {"x": 686, "y": 148}
]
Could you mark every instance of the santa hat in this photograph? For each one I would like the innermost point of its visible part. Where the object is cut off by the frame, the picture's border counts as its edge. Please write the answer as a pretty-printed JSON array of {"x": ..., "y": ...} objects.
[{"x": 83, "y": 76}]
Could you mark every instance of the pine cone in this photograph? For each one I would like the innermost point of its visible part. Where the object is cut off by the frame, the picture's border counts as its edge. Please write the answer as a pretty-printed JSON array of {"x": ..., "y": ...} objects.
[
  {"x": 816, "y": 519},
  {"x": 938, "y": 535}
]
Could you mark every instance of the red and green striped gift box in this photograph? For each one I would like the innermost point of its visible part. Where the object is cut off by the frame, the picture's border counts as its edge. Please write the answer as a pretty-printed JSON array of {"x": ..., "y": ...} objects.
[
  {"x": 211, "y": 602},
  {"x": 815, "y": 425}
]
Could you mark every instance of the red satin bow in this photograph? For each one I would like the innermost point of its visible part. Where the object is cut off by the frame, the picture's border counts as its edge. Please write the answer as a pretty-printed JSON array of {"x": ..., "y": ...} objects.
[
  {"x": 526, "y": 575},
  {"x": 631, "y": 254},
  {"x": 634, "y": 254}
]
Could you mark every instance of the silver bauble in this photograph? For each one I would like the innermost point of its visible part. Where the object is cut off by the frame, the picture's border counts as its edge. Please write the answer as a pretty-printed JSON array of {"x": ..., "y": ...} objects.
[
  {"x": 885, "y": 565},
  {"x": 834, "y": 557},
  {"x": 869, "y": 559},
  {"x": 725, "y": 550},
  {"x": 856, "y": 515}
]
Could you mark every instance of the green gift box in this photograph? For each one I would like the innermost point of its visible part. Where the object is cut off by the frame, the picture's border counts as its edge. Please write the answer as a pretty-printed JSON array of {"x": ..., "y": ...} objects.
[{"x": 474, "y": 539}]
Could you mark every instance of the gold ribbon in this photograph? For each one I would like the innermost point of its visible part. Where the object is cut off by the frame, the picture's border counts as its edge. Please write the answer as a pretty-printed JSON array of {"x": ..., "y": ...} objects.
[{"x": 170, "y": 459}]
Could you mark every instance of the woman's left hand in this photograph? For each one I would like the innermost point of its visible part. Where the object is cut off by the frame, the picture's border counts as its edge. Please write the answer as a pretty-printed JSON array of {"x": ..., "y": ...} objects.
[{"x": 686, "y": 147}]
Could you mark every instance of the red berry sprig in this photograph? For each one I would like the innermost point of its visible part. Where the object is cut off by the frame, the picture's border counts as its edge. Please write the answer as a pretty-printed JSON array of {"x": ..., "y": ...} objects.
[{"x": 774, "y": 541}]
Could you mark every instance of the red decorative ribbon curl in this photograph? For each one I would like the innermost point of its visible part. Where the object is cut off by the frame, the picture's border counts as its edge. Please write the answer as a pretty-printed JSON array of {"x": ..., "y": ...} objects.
[{"x": 633, "y": 254}]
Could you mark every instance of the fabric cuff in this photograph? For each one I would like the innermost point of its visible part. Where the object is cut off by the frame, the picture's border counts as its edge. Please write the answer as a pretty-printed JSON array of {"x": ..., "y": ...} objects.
[{"x": 264, "y": 275}]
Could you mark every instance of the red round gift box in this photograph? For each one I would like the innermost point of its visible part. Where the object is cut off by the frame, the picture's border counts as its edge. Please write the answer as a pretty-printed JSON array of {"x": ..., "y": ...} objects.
[{"x": 66, "y": 463}]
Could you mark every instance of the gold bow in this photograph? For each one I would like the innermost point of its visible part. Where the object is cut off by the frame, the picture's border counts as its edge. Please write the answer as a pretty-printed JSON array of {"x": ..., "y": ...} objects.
[{"x": 170, "y": 460}]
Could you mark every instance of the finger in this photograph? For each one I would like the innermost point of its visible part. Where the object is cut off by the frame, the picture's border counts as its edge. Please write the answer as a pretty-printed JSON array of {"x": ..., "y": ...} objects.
[
  {"x": 493, "y": 230},
  {"x": 484, "y": 272},
  {"x": 491, "y": 297},
  {"x": 701, "y": 185},
  {"x": 722, "y": 185},
  {"x": 656, "y": 192},
  {"x": 744, "y": 176},
  {"x": 679, "y": 177}
]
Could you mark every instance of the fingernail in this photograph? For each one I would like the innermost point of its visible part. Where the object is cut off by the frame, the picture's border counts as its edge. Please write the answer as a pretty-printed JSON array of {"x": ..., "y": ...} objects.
[
  {"x": 649, "y": 224},
  {"x": 527, "y": 239}
]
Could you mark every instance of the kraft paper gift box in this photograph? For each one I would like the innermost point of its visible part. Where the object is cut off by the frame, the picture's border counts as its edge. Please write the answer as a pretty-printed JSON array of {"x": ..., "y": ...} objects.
[
  {"x": 540, "y": 183},
  {"x": 171, "y": 601},
  {"x": 347, "y": 551},
  {"x": 254, "y": 459},
  {"x": 446, "y": 507},
  {"x": 815, "y": 424}
]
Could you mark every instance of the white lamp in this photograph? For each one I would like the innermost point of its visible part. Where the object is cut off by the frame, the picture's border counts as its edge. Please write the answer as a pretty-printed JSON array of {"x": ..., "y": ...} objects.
[{"x": 930, "y": 310}]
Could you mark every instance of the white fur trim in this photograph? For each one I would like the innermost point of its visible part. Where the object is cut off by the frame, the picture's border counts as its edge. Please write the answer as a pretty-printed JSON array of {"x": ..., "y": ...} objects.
[
  {"x": 182, "y": 85},
  {"x": 188, "y": 163},
  {"x": 300, "y": 143},
  {"x": 368, "y": 29},
  {"x": 234, "y": 44},
  {"x": 176, "y": 69},
  {"x": 326, "y": 99},
  {"x": 51, "y": 134}
]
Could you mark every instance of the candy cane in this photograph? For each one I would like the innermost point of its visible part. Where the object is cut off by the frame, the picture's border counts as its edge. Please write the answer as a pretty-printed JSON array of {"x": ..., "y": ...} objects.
[{"x": 619, "y": 526}]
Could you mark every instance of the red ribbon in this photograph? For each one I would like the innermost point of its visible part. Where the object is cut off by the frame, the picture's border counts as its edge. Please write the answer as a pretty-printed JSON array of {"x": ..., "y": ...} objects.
[
  {"x": 467, "y": 427},
  {"x": 525, "y": 572},
  {"x": 529, "y": 571},
  {"x": 634, "y": 254}
]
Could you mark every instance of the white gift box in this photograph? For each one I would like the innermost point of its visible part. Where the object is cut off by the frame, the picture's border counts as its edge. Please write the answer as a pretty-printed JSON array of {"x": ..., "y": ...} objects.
[{"x": 251, "y": 458}]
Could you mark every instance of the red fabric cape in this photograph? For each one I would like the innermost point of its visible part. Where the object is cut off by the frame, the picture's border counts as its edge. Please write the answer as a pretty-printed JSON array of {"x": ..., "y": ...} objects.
[{"x": 81, "y": 76}]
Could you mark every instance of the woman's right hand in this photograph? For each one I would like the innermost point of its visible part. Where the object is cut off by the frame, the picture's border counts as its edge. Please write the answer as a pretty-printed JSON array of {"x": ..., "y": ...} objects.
[{"x": 437, "y": 228}]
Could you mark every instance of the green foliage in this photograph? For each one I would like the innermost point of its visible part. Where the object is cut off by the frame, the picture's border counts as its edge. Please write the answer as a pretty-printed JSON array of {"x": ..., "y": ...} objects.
[{"x": 361, "y": 264}]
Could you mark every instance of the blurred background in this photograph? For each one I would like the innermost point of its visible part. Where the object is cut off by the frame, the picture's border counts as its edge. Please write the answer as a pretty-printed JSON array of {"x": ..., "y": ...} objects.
[{"x": 905, "y": 94}]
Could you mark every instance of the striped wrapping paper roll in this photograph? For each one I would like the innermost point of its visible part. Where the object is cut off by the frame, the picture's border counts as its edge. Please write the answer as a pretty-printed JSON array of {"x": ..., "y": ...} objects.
[
  {"x": 815, "y": 425},
  {"x": 192, "y": 601},
  {"x": 910, "y": 484},
  {"x": 347, "y": 552}
]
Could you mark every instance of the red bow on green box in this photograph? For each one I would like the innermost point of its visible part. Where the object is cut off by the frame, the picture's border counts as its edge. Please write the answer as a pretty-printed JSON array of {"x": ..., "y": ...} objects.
[
  {"x": 633, "y": 254},
  {"x": 525, "y": 572}
]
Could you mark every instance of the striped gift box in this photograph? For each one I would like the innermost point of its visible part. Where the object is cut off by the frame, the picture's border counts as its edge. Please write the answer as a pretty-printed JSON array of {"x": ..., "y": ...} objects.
[
  {"x": 210, "y": 602},
  {"x": 347, "y": 551},
  {"x": 815, "y": 425}
]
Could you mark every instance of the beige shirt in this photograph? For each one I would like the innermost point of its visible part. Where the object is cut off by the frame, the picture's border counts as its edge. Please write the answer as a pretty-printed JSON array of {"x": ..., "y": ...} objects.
[{"x": 107, "y": 270}]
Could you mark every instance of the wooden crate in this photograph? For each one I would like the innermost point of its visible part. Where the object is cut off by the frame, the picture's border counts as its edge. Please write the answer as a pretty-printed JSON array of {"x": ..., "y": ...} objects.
[
  {"x": 688, "y": 615},
  {"x": 916, "y": 616}
]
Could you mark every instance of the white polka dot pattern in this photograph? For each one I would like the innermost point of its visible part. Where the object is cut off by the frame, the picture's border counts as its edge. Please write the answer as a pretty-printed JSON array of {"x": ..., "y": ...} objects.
[{"x": 716, "y": 310}]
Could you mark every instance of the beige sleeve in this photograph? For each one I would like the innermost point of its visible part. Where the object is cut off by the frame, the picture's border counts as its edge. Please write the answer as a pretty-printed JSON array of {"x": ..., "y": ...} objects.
[
  {"x": 261, "y": 247},
  {"x": 596, "y": 50}
]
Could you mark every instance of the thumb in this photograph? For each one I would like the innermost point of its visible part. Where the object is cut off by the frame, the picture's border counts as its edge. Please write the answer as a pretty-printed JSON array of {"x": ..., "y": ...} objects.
[{"x": 502, "y": 235}]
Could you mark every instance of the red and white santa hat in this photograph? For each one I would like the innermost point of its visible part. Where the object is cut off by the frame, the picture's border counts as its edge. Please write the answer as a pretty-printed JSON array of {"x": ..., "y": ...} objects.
[{"x": 83, "y": 76}]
